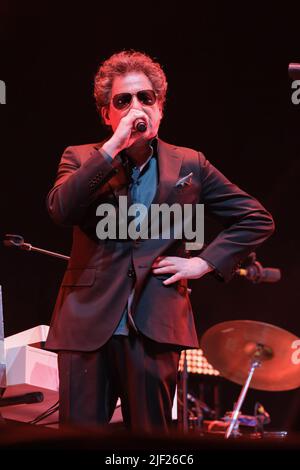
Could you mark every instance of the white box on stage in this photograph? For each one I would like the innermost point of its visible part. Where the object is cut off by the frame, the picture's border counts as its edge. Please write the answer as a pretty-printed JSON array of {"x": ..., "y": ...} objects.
[
  {"x": 31, "y": 365},
  {"x": 29, "y": 369}
]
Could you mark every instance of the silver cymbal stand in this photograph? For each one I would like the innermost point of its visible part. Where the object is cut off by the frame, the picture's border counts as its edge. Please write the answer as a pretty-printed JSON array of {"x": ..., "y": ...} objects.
[{"x": 260, "y": 354}]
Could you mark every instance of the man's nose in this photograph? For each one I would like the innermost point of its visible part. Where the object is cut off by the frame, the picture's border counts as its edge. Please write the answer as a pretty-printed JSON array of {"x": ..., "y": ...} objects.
[{"x": 135, "y": 103}]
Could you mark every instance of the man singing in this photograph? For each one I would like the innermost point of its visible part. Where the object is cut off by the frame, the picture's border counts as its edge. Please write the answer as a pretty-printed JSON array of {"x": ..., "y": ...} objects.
[{"x": 123, "y": 312}]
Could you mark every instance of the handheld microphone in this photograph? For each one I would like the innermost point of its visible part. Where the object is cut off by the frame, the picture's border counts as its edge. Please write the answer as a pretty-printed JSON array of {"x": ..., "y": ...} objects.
[
  {"x": 27, "y": 398},
  {"x": 140, "y": 125}
]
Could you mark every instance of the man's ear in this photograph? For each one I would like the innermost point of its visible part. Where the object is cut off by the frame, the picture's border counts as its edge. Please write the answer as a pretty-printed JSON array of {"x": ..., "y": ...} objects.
[{"x": 105, "y": 115}]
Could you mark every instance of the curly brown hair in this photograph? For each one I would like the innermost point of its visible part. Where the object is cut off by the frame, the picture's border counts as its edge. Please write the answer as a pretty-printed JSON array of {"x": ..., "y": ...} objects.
[{"x": 122, "y": 63}]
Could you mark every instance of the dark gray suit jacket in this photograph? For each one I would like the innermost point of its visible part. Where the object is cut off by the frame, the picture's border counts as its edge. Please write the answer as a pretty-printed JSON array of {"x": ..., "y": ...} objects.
[{"x": 98, "y": 279}]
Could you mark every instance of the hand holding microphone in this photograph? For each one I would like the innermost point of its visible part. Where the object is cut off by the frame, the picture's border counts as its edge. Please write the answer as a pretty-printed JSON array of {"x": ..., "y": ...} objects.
[{"x": 128, "y": 130}]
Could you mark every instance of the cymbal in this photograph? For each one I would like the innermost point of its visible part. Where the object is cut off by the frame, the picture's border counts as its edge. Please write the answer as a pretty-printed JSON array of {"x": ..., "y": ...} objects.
[{"x": 231, "y": 346}]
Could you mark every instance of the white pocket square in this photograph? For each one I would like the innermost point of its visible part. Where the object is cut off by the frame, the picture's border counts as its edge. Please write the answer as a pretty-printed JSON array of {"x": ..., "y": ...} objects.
[{"x": 186, "y": 180}]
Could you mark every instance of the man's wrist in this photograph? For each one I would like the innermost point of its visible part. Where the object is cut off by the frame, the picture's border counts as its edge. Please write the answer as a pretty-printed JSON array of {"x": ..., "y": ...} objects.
[
  {"x": 106, "y": 155},
  {"x": 110, "y": 149},
  {"x": 207, "y": 267}
]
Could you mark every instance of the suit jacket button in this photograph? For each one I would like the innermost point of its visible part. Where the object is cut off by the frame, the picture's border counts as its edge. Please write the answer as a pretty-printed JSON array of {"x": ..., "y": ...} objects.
[{"x": 131, "y": 273}]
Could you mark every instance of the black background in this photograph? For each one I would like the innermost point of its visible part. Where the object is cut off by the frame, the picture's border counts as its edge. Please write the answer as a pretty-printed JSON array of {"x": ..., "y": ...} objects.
[{"x": 229, "y": 96}]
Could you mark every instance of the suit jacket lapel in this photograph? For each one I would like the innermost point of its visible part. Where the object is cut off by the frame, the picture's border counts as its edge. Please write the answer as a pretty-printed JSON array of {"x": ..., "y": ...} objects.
[{"x": 169, "y": 164}]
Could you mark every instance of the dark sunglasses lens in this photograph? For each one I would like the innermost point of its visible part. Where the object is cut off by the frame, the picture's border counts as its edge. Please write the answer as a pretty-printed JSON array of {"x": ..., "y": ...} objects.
[
  {"x": 147, "y": 97},
  {"x": 122, "y": 100}
]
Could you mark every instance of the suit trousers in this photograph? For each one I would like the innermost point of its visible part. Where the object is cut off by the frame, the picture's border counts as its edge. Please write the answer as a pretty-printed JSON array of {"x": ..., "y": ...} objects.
[{"x": 142, "y": 372}]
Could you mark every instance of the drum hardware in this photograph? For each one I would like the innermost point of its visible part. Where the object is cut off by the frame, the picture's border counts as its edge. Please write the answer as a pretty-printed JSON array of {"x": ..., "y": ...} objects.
[{"x": 253, "y": 354}]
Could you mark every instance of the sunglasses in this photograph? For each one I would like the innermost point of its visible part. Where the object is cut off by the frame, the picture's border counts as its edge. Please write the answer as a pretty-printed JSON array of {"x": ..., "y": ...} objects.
[{"x": 123, "y": 100}]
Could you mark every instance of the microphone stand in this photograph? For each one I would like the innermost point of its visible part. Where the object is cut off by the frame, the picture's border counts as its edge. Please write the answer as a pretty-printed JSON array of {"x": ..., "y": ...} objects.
[{"x": 17, "y": 241}]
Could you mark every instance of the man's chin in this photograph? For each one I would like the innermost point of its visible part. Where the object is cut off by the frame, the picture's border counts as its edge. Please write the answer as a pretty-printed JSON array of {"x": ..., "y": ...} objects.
[{"x": 139, "y": 138}]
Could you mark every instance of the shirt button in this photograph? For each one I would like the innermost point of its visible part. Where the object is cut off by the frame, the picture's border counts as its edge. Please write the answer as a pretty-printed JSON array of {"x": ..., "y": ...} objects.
[{"x": 131, "y": 273}]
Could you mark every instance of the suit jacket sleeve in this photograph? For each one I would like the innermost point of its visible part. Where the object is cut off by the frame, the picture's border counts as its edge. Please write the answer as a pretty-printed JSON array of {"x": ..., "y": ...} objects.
[
  {"x": 79, "y": 176},
  {"x": 246, "y": 222}
]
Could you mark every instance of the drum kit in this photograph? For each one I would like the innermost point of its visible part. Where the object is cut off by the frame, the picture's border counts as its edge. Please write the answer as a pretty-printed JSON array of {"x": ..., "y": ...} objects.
[{"x": 253, "y": 354}]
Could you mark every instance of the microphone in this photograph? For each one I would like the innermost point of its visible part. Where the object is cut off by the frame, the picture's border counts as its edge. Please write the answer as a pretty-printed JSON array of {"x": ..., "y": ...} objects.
[
  {"x": 252, "y": 270},
  {"x": 294, "y": 71},
  {"x": 140, "y": 125},
  {"x": 27, "y": 398},
  {"x": 256, "y": 273}
]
